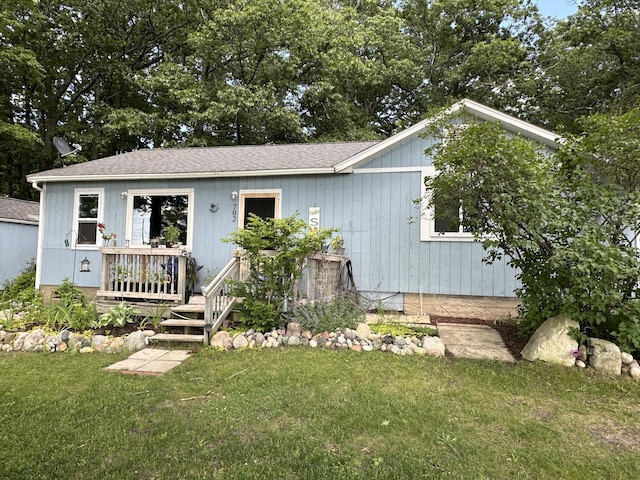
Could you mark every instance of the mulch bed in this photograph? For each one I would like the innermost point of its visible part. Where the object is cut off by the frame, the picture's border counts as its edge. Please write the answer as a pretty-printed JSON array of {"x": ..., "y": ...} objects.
[{"x": 507, "y": 330}]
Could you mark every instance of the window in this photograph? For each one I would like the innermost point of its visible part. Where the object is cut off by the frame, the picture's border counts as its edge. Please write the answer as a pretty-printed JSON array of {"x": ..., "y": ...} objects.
[
  {"x": 442, "y": 219},
  {"x": 87, "y": 213},
  {"x": 150, "y": 214},
  {"x": 263, "y": 203}
]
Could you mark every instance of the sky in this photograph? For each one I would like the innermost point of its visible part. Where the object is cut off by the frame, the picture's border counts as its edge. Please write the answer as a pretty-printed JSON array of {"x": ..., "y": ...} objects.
[{"x": 557, "y": 8}]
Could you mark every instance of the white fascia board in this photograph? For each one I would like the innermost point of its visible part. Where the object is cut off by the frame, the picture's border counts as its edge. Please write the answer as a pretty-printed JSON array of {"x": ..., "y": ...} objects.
[
  {"x": 512, "y": 124},
  {"x": 173, "y": 176},
  {"x": 21, "y": 222}
]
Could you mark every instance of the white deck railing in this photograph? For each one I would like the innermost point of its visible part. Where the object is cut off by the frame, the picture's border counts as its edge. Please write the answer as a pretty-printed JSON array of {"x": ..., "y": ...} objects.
[
  {"x": 143, "y": 273},
  {"x": 217, "y": 299}
]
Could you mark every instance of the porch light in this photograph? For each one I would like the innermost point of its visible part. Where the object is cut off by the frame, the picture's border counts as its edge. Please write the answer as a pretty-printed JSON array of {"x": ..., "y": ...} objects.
[
  {"x": 214, "y": 207},
  {"x": 234, "y": 195},
  {"x": 85, "y": 265}
]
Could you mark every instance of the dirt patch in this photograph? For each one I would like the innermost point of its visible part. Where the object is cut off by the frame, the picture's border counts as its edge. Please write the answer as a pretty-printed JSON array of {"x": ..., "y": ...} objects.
[
  {"x": 619, "y": 436},
  {"x": 508, "y": 331}
]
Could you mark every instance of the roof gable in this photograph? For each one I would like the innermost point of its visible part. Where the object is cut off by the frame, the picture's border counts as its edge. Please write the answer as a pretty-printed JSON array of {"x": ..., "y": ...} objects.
[{"x": 470, "y": 107}]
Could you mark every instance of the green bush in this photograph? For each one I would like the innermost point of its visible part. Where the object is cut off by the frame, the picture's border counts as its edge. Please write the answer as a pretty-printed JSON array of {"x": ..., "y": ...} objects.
[
  {"x": 326, "y": 316},
  {"x": 275, "y": 250},
  {"x": 21, "y": 288}
]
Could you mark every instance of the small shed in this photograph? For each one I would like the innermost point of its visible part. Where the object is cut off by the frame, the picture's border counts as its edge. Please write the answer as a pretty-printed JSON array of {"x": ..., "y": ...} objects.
[{"x": 18, "y": 236}]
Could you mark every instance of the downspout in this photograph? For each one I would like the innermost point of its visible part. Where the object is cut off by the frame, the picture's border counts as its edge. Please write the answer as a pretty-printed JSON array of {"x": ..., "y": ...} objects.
[{"x": 42, "y": 190}]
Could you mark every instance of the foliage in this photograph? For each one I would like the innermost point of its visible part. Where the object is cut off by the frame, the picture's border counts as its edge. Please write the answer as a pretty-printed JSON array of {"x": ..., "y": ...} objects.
[
  {"x": 327, "y": 315},
  {"x": 171, "y": 233},
  {"x": 118, "y": 316},
  {"x": 71, "y": 310},
  {"x": 396, "y": 329},
  {"x": 566, "y": 222},
  {"x": 22, "y": 288},
  {"x": 275, "y": 250}
]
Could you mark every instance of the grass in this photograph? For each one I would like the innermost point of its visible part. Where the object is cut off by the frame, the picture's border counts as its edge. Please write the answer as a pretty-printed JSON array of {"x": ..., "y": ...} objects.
[{"x": 302, "y": 413}]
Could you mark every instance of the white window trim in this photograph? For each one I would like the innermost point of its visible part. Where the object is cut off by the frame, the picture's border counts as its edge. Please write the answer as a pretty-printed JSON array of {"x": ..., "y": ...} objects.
[
  {"x": 189, "y": 192},
  {"x": 428, "y": 231},
  {"x": 259, "y": 193},
  {"x": 76, "y": 207}
]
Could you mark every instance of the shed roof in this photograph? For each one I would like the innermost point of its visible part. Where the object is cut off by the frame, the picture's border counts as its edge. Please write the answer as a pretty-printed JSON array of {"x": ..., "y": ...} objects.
[{"x": 13, "y": 210}]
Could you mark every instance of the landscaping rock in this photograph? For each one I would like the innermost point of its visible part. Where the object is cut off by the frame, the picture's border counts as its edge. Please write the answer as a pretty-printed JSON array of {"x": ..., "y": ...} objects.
[
  {"x": 148, "y": 333},
  {"x": 259, "y": 338},
  {"x": 634, "y": 372},
  {"x": 240, "y": 342},
  {"x": 135, "y": 341},
  {"x": 580, "y": 364},
  {"x": 313, "y": 343},
  {"x": 606, "y": 356},
  {"x": 218, "y": 338},
  {"x": 551, "y": 343},
  {"x": 307, "y": 334},
  {"x": 626, "y": 358},
  {"x": 33, "y": 339},
  {"x": 433, "y": 345},
  {"x": 294, "y": 329},
  {"x": 293, "y": 341},
  {"x": 350, "y": 334},
  {"x": 86, "y": 350},
  {"x": 18, "y": 343},
  {"x": 227, "y": 343},
  {"x": 363, "y": 330},
  {"x": 99, "y": 340},
  {"x": 582, "y": 353}
]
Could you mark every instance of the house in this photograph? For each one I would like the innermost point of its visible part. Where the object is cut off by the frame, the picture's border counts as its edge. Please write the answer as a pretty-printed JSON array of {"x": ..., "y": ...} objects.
[
  {"x": 18, "y": 236},
  {"x": 366, "y": 189}
]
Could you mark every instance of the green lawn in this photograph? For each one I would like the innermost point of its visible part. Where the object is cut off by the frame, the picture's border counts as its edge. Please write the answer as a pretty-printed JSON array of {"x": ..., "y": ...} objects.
[{"x": 311, "y": 414}]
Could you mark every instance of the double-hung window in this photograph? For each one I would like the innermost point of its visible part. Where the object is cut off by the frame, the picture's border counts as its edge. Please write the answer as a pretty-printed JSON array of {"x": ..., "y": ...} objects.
[
  {"x": 442, "y": 219},
  {"x": 88, "y": 206}
]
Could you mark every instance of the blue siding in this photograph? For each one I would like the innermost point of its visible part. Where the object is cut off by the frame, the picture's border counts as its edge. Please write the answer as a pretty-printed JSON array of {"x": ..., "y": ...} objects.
[
  {"x": 19, "y": 247},
  {"x": 372, "y": 210}
]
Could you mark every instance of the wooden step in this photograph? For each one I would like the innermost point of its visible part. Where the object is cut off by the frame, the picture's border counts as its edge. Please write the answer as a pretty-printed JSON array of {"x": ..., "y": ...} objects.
[
  {"x": 178, "y": 322},
  {"x": 188, "y": 308},
  {"x": 176, "y": 337}
]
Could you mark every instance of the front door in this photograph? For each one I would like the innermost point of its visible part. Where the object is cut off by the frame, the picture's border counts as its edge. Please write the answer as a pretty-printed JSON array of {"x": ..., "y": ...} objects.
[{"x": 263, "y": 203}]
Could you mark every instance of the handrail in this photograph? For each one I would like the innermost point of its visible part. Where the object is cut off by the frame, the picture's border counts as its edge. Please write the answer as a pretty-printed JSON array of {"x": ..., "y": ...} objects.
[{"x": 217, "y": 299}]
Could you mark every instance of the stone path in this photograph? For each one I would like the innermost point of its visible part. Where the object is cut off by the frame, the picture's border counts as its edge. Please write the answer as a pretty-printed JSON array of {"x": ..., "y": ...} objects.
[
  {"x": 474, "y": 341},
  {"x": 151, "y": 361}
]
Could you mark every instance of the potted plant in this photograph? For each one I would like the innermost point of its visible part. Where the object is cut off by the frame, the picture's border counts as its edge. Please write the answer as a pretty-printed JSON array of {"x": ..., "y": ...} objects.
[
  {"x": 337, "y": 245},
  {"x": 171, "y": 235}
]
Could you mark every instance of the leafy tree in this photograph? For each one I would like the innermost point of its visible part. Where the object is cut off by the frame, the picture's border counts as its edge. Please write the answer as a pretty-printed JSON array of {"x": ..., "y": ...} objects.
[
  {"x": 566, "y": 222},
  {"x": 589, "y": 63}
]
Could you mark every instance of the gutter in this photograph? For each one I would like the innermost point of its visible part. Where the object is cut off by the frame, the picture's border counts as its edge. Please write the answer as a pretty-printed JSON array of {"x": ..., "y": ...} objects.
[
  {"x": 43, "y": 191},
  {"x": 35, "y": 179}
]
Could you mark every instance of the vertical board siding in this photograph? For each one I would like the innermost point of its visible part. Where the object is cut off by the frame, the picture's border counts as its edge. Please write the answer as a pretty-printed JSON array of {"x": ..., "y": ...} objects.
[
  {"x": 19, "y": 247},
  {"x": 372, "y": 211}
]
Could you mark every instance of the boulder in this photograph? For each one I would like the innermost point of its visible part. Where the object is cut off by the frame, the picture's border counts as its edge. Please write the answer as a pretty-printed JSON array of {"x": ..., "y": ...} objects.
[
  {"x": 606, "y": 356},
  {"x": 240, "y": 342},
  {"x": 33, "y": 339},
  {"x": 363, "y": 330},
  {"x": 433, "y": 346},
  {"x": 217, "y": 340},
  {"x": 294, "y": 329},
  {"x": 551, "y": 343},
  {"x": 135, "y": 341}
]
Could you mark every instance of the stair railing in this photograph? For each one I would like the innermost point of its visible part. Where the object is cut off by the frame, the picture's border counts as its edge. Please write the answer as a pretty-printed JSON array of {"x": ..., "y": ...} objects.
[{"x": 217, "y": 299}]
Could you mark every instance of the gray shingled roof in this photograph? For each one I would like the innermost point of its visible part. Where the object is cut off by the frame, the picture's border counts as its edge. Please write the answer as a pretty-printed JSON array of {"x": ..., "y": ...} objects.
[
  {"x": 13, "y": 210},
  {"x": 198, "y": 162}
]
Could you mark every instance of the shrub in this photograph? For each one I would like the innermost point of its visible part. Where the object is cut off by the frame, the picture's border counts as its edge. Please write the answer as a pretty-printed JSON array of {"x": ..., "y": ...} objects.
[
  {"x": 323, "y": 316},
  {"x": 275, "y": 250}
]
